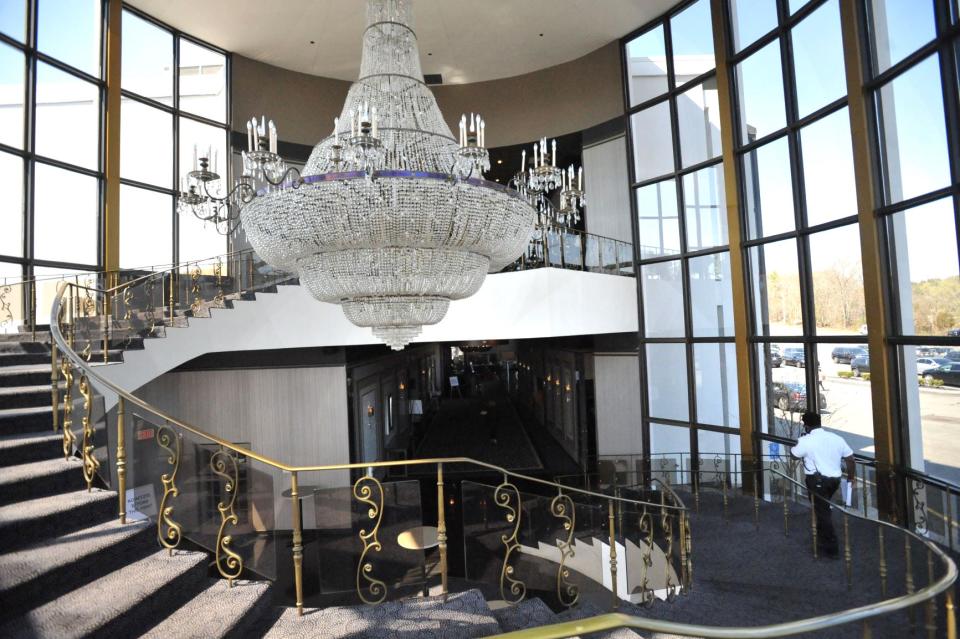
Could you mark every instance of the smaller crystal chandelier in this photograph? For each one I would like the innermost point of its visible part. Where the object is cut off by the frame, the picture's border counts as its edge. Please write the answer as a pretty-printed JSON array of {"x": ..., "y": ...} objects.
[
  {"x": 202, "y": 193},
  {"x": 472, "y": 155},
  {"x": 544, "y": 181}
]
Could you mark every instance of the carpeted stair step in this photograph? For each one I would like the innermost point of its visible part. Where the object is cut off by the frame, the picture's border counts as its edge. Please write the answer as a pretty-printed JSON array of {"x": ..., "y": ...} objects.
[
  {"x": 529, "y": 613},
  {"x": 218, "y": 612},
  {"x": 26, "y": 335},
  {"x": 16, "y": 421},
  {"x": 21, "y": 358},
  {"x": 27, "y": 522},
  {"x": 42, "y": 572},
  {"x": 119, "y": 604},
  {"x": 40, "y": 478},
  {"x": 28, "y": 375},
  {"x": 29, "y": 447},
  {"x": 25, "y": 396},
  {"x": 462, "y": 616},
  {"x": 23, "y": 343}
]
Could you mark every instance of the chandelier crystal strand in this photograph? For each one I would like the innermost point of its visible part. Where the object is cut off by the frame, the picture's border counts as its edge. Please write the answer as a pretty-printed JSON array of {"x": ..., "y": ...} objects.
[{"x": 392, "y": 219}]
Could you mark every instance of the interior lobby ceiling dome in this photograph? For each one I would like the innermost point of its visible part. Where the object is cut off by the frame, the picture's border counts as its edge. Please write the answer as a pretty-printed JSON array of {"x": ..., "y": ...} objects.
[{"x": 463, "y": 41}]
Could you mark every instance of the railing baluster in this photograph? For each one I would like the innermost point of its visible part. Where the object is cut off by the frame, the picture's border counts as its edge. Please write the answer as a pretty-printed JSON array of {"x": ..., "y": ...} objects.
[
  {"x": 951, "y": 615},
  {"x": 90, "y": 462},
  {"x": 121, "y": 461},
  {"x": 847, "y": 551},
  {"x": 813, "y": 524},
  {"x": 908, "y": 562},
  {"x": 297, "y": 542},
  {"x": 883, "y": 562},
  {"x": 931, "y": 626},
  {"x": 363, "y": 491},
  {"x": 442, "y": 531},
  {"x": 224, "y": 464},
  {"x": 67, "y": 422},
  {"x": 169, "y": 532},
  {"x": 613, "y": 555},
  {"x": 55, "y": 386}
]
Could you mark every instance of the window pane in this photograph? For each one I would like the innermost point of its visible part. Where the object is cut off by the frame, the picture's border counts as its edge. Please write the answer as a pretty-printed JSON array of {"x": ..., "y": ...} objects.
[
  {"x": 667, "y": 381},
  {"x": 68, "y": 117},
  {"x": 146, "y": 228},
  {"x": 751, "y": 19},
  {"x": 715, "y": 449},
  {"x": 698, "y": 112},
  {"x": 781, "y": 389},
  {"x": 776, "y": 288},
  {"x": 838, "y": 281},
  {"x": 647, "y": 66},
  {"x": 711, "y": 297},
  {"x": 818, "y": 59},
  {"x": 147, "y": 67},
  {"x": 11, "y": 96},
  {"x": 715, "y": 375},
  {"x": 828, "y": 168},
  {"x": 760, "y": 93},
  {"x": 65, "y": 216},
  {"x": 78, "y": 18},
  {"x": 692, "y": 33},
  {"x": 796, "y": 5},
  {"x": 926, "y": 271},
  {"x": 705, "y": 208},
  {"x": 146, "y": 144},
  {"x": 11, "y": 205},
  {"x": 13, "y": 18},
  {"x": 914, "y": 134},
  {"x": 769, "y": 189},
  {"x": 900, "y": 27},
  {"x": 662, "y": 299},
  {"x": 47, "y": 281},
  {"x": 671, "y": 447},
  {"x": 846, "y": 407},
  {"x": 203, "y": 81},
  {"x": 657, "y": 220},
  {"x": 931, "y": 377},
  {"x": 199, "y": 240},
  {"x": 652, "y": 142}
]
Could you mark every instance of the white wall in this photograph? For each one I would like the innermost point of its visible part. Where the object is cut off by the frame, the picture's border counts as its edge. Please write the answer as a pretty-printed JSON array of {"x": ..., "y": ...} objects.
[
  {"x": 607, "y": 188},
  {"x": 617, "y": 384},
  {"x": 296, "y": 415}
]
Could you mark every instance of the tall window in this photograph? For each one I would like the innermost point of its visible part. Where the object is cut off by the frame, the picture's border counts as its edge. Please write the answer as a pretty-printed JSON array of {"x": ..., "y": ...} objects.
[
  {"x": 799, "y": 211},
  {"x": 688, "y": 360},
  {"x": 51, "y": 161},
  {"x": 913, "y": 85},
  {"x": 175, "y": 99}
]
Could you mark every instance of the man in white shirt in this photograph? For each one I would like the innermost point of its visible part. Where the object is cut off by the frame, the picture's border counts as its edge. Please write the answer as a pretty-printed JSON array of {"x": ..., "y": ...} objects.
[{"x": 822, "y": 454}]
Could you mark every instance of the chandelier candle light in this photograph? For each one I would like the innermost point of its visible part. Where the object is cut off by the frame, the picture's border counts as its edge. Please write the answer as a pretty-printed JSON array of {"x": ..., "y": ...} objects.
[{"x": 392, "y": 218}]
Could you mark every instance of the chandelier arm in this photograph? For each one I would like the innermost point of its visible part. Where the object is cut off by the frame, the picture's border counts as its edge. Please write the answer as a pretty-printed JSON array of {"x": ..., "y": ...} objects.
[{"x": 283, "y": 178}]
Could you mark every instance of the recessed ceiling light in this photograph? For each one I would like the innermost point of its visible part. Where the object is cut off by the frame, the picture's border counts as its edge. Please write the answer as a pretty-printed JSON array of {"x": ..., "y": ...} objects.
[
  {"x": 313, "y": 42},
  {"x": 499, "y": 161},
  {"x": 541, "y": 35}
]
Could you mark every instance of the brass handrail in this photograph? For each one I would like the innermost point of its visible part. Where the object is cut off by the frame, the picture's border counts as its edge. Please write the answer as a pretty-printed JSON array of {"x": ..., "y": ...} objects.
[
  {"x": 78, "y": 361},
  {"x": 611, "y": 621}
]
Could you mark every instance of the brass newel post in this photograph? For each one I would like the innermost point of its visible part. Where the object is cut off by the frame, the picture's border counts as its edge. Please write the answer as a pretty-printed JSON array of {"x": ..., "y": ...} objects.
[
  {"x": 55, "y": 386},
  {"x": 883, "y": 563},
  {"x": 441, "y": 531},
  {"x": 121, "y": 463},
  {"x": 951, "y": 615},
  {"x": 613, "y": 555},
  {"x": 297, "y": 542}
]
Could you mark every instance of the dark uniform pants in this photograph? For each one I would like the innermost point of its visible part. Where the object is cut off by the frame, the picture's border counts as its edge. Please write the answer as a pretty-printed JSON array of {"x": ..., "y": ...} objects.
[{"x": 826, "y": 537}]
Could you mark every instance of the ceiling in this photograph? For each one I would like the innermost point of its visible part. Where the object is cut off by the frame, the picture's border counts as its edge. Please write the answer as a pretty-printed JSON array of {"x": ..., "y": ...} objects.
[{"x": 465, "y": 41}]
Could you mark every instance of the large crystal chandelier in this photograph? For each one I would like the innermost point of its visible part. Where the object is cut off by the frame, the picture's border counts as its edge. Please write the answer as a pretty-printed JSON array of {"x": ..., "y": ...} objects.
[{"x": 392, "y": 218}]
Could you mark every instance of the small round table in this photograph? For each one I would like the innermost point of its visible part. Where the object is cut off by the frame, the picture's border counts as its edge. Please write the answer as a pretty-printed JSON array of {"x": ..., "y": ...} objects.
[{"x": 418, "y": 538}]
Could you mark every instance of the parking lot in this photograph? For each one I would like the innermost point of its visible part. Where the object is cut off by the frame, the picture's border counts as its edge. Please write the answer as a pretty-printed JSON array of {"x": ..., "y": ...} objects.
[{"x": 849, "y": 412}]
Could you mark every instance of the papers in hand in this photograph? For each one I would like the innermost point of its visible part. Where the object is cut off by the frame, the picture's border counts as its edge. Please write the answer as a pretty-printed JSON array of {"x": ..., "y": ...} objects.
[{"x": 846, "y": 489}]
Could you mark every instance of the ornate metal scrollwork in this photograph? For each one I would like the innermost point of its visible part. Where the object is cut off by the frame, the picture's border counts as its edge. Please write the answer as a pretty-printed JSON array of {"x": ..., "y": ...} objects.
[
  {"x": 150, "y": 310},
  {"x": 562, "y": 507},
  {"x": 515, "y": 587},
  {"x": 90, "y": 463},
  {"x": 66, "y": 372},
  {"x": 224, "y": 464},
  {"x": 666, "y": 523},
  {"x": 197, "y": 304},
  {"x": 646, "y": 534},
  {"x": 168, "y": 530},
  {"x": 918, "y": 499},
  {"x": 363, "y": 491},
  {"x": 218, "y": 273},
  {"x": 6, "y": 306}
]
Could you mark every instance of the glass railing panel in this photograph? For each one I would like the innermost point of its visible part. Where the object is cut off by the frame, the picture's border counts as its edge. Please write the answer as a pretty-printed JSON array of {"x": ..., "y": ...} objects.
[
  {"x": 625, "y": 258},
  {"x": 369, "y": 541},
  {"x": 554, "y": 252},
  {"x": 195, "y": 490},
  {"x": 608, "y": 255},
  {"x": 591, "y": 253},
  {"x": 572, "y": 250}
]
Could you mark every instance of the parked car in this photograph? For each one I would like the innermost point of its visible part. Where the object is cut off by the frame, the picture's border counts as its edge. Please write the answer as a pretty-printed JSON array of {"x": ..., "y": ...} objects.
[
  {"x": 926, "y": 363},
  {"x": 949, "y": 374},
  {"x": 953, "y": 356},
  {"x": 792, "y": 396},
  {"x": 953, "y": 332},
  {"x": 860, "y": 364},
  {"x": 794, "y": 357},
  {"x": 845, "y": 354},
  {"x": 775, "y": 358}
]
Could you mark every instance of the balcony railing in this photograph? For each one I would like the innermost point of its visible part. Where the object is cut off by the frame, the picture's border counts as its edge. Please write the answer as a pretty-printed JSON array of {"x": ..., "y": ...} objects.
[{"x": 577, "y": 250}]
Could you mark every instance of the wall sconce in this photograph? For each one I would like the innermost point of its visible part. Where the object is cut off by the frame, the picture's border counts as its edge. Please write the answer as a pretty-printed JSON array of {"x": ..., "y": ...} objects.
[
  {"x": 549, "y": 378},
  {"x": 403, "y": 389},
  {"x": 370, "y": 410},
  {"x": 568, "y": 391}
]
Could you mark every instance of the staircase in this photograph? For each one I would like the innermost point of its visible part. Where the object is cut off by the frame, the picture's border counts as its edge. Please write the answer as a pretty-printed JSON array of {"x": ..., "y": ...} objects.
[{"x": 69, "y": 569}]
